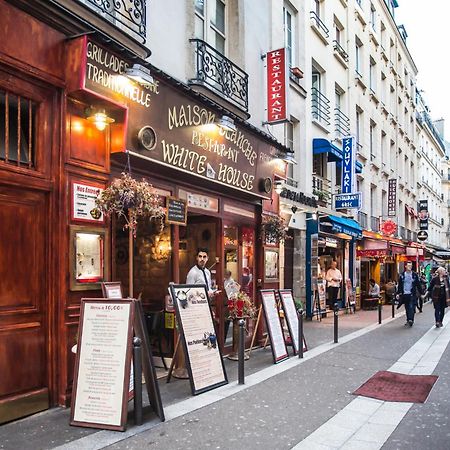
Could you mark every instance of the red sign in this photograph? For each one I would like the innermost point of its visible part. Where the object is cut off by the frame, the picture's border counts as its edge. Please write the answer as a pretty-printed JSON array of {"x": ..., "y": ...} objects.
[
  {"x": 388, "y": 227},
  {"x": 276, "y": 86},
  {"x": 372, "y": 253}
]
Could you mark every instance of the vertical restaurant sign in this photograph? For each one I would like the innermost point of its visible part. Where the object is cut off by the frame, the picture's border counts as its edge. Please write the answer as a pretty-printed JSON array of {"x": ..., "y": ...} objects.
[
  {"x": 83, "y": 206},
  {"x": 184, "y": 131},
  {"x": 348, "y": 165},
  {"x": 423, "y": 214},
  {"x": 392, "y": 197},
  {"x": 277, "y": 86}
]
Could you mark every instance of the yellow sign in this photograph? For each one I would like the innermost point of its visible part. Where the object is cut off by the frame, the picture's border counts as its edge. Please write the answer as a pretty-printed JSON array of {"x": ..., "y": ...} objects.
[{"x": 169, "y": 320}]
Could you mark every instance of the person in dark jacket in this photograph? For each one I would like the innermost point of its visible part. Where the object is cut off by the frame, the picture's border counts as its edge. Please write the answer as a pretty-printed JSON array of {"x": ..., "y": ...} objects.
[
  {"x": 408, "y": 287},
  {"x": 439, "y": 292}
]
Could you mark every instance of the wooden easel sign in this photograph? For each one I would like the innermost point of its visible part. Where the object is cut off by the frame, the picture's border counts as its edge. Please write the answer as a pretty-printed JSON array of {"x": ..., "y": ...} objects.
[
  {"x": 273, "y": 323},
  {"x": 290, "y": 314},
  {"x": 203, "y": 357},
  {"x": 102, "y": 366}
]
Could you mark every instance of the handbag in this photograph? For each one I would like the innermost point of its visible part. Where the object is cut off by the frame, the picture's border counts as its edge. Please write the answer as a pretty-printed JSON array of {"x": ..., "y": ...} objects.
[{"x": 436, "y": 292}]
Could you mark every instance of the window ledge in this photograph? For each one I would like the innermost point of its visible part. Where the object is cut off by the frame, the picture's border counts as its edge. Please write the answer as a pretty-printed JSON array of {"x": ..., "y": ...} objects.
[
  {"x": 321, "y": 124},
  {"x": 384, "y": 110},
  {"x": 384, "y": 54},
  {"x": 323, "y": 37},
  {"x": 344, "y": 3},
  {"x": 359, "y": 80},
  {"x": 340, "y": 58},
  {"x": 359, "y": 13},
  {"x": 374, "y": 97},
  {"x": 373, "y": 36}
]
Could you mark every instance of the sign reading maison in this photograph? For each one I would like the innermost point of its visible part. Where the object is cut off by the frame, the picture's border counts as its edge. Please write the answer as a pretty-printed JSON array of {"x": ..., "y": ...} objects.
[{"x": 186, "y": 136}]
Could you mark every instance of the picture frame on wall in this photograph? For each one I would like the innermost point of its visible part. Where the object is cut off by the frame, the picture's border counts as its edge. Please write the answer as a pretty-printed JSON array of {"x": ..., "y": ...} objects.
[
  {"x": 88, "y": 255},
  {"x": 271, "y": 265},
  {"x": 112, "y": 289}
]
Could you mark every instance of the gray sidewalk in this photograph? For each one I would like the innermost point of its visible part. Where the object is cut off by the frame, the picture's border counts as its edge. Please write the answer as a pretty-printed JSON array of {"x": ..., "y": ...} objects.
[{"x": 51, "y": 428}]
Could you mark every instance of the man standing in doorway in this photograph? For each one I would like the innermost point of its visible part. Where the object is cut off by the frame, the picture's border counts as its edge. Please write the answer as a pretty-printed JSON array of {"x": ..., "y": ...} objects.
[
  {"x": 407, "y": 288},
  {"x": 200, "y": 274},
  {"x": 334, "y": 279}
]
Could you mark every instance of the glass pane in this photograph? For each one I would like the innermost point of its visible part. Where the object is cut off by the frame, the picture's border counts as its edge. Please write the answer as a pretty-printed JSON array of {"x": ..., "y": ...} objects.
[
  {"x": 199, "y": 28},
  {"x": 219, "y": 43},
  {"x": 200, "y": 6},
  {"x": 218, "y": 15},
  {"x": 247, "y": 263}
]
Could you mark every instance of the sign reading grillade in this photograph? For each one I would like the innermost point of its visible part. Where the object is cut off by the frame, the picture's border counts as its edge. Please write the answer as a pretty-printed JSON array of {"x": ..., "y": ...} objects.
[
  {"x": 183, "y": 131},
  {"x": 276, "y": 86}
]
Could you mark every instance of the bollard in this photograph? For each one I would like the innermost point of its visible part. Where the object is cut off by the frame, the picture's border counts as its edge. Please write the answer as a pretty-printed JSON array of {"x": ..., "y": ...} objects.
[
  {"x": 137, "y": 372},
  {"x": 241, "y": 352},
  {"x": 336, "y": 313},
  {"x": 393, "y": 306},
  {"x": 380, "y": 309},
  {"x": 300, "y": 332}
]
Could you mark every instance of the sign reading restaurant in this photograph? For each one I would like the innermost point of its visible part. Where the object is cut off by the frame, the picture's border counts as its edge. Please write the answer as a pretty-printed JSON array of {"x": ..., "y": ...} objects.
[
  {"x": 277, "y": 80},
  {"x": 184, "y": 132}
]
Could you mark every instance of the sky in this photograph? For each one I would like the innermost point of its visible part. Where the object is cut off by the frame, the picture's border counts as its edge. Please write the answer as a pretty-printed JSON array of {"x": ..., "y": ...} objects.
[{"x": 428, "y": 41}]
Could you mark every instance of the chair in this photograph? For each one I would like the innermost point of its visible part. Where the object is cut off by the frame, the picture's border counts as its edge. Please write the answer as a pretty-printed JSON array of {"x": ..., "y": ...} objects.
[{"x": 156, "y": 330}]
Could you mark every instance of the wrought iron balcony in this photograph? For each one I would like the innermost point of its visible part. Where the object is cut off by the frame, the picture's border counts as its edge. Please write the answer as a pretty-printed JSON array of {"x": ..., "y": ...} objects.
[
  {"x": 320, "y": 106},
  {"x": 362, "y": 219},
  {"x": 375, "y": 223},
  {"x": 321, "y": 188},
  {"x": 319, "y": 24},
  {"x": 127, "y": 15},
  {"x": 340, "y": 50},
  {"x": 219, "y": 74},
  {"x": 341, "y": 123}
]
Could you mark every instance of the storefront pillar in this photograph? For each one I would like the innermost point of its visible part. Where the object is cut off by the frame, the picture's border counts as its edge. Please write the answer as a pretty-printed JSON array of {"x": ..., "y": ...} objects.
[{"x": 312, "y": 227}]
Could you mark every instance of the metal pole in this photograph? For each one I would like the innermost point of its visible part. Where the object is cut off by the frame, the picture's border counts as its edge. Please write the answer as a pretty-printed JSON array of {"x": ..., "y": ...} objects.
[
  {"x": 336, "y": 313},
  {"x": 300, "y": 332},
  {"x": 380, "y": 309},
  {"x": 393, "y": 305},
  {"x": 241, "y": 352},
  {"x": 137, "y": 367}
]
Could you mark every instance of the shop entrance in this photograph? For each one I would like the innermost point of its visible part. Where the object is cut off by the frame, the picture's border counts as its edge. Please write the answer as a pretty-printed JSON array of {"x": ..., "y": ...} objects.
[{"x": 24, "y": 304}]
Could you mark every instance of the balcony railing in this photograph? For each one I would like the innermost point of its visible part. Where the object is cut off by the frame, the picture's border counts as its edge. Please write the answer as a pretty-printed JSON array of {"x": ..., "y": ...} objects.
[
  {"x": 319, "y": 24},
  {"x": 320, "y": 106},
  {"x": 291, "y": 182},
  {"x": 362, "y": 219},
  {"x": 340, "y": 50},
  {"x": 127, "y": 15},
  {"x": 341, "y": 122},
  {"x": 219, "y": 74},
  {"x": 375, "y": 223},
  {"x": 321, "y": 189}
]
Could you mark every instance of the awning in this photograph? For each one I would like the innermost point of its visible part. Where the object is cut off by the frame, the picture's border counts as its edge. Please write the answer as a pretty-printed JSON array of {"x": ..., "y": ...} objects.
[
  {"x": 411, "y": 211},
  {"x": 321, "y": 145},
  {"x": 358, "y": 166},
  {"x": 347, "y": 226}
]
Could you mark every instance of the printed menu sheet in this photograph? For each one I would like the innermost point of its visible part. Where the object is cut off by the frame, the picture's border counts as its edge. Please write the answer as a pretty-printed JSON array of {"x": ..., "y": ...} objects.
[
  {"x": 203, "y": 356},
  {"x": 279, "y": 350}
]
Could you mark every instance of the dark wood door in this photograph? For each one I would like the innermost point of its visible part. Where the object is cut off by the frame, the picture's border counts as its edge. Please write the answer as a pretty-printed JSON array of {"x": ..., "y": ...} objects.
[{"x": 24, "y": 385}]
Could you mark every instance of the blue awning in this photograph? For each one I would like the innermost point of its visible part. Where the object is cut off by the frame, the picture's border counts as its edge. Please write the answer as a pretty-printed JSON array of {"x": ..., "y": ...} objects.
[
  {"x": 358, "y": 166},
  {"x": 325, "y": 146},
  {"x": 347, "y": 226}
]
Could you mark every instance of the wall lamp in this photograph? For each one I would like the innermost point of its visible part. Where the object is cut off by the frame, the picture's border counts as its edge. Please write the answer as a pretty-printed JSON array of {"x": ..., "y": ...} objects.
[
  {"x": 140, "y": 74},
  {"x": 278, "y": 186},
  {"x": 288, "y": 157},
  {"x": 99, "y": 118},
  {"x": 226, "y": 123}
]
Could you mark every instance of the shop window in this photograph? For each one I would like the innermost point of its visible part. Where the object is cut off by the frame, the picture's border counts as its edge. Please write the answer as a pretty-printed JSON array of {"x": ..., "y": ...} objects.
[{"x": 17, "y": 130}]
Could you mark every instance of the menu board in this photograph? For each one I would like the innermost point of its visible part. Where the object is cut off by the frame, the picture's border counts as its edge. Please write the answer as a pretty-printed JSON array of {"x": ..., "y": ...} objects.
[
  {"x": 290, "y": 313},
  {"x": 279, "y": 350},
  {"x": 102, "y": 368},
  {"x": 203, "y": 356},
  {"x": 176, "y": 211},
  {"x": 83, "y": 207}
]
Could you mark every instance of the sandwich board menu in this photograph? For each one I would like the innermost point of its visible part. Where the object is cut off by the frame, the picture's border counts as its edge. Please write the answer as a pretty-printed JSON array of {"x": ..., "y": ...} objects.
[
  {"x": 277, "y": 343},
  {"x": 203, "y": 357}
]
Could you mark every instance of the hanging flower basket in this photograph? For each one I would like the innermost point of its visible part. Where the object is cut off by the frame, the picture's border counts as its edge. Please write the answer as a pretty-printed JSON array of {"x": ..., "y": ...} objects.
[
  {"x": 240, "y": 305},
  {"x": 274, "y": 229},
  {"x": 129, "y": 198}
]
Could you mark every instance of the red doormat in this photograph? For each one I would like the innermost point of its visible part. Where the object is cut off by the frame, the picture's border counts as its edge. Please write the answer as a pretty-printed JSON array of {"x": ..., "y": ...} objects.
[{"x": 397, "y": 387}]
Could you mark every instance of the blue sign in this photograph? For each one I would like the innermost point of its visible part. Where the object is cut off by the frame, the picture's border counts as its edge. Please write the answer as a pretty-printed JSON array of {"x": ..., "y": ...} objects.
[
  {"x": 348, "y": 201},
  {"x": 348, "y": 165}
]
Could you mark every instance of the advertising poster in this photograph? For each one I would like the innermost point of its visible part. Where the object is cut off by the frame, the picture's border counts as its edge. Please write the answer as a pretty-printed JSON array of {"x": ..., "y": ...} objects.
[
  {"x": 204, "y": 360},
  {"x": 290, "y": 313}
]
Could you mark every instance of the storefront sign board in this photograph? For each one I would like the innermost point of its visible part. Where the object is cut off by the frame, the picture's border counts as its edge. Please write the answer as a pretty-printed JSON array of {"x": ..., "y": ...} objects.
[
  {"x": 290, "y": 314},
  {"x": 423, "y": 214},
  {"x": 348, "y": 201},
  {"x": 203, "y": 357},
  {"x": 392, "y": 197},
  {"x": 273, "y": 323},
  {"x": 83, "y": 207},
  {"x": 277, "y": 82},
  {"x": 348, "y": 165}
]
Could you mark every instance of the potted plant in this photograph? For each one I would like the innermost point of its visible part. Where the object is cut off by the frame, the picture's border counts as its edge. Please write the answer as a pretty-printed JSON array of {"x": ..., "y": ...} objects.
[
  {"x": 274, "y": 229},
  {"x": 322, "y": 196},
  {"x": 129, "y": 198}
]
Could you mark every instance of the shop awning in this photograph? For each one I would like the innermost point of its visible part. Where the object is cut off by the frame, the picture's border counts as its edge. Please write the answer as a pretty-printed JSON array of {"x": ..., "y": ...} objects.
[
  {"x": 347, "y": 226},
  {"x": 321, "y": 145}
]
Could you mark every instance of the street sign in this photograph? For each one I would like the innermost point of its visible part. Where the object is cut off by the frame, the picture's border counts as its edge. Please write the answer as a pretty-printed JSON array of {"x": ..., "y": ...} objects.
[
  {"x": 422, "y": 235},
  {"x": 348, "y": 201}
]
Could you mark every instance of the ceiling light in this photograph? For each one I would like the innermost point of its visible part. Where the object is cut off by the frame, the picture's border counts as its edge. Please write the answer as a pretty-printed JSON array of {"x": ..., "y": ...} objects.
[{"x": 99, "y": 118}]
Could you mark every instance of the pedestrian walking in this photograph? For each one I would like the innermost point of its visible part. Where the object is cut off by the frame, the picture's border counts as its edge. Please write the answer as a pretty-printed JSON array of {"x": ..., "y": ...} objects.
[
  {"x": 439, "y": 291},
  {"x": 407, "y": 289}
]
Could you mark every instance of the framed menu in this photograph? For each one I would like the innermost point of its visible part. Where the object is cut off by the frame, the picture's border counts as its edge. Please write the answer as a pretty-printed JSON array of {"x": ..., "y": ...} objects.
[
  {"x": 103, "y": 362},
  {"x": 278, "y": 345},
  {"x": 290, "y": 314},
  {"x": 83, "y": 207},
  {"x": 203, "y": 357},
  {"x": 176, "y": 211}
]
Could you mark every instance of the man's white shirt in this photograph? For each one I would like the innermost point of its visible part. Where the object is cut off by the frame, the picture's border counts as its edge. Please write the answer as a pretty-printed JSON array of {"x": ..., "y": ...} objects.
[{"x": 195, "y": 276}]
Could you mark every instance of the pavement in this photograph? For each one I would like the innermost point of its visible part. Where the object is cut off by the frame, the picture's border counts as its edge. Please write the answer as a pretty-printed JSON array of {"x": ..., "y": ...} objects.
[{"x": 280, "y": 406}]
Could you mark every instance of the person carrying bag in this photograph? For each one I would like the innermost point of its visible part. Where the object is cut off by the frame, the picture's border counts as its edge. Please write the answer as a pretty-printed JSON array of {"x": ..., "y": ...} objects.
[{"x": 439, "y": 291}]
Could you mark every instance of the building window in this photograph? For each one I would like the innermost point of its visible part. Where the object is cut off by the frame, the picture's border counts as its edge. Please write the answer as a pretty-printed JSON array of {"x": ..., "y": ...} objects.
[
  {"x": 373, "y": 75},
  {"x": 17, "y": 130},
  {"x": 358, "y": 57},
  {"x": 373, "y": 17},
  {"x": 289, "y": 35},
  {"x": 210, "y": 23},
  {"x": 289, "y": 143},
  {"x": 372, "y": 140},
  {"x": 358, "y": 126}
]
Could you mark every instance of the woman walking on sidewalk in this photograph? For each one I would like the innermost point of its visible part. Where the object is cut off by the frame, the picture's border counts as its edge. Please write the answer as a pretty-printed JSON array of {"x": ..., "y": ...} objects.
[{"x": 439, "y": 292}]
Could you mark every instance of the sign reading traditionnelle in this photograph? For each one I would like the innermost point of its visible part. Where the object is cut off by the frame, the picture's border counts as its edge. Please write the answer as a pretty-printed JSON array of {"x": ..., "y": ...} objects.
[{"x": 276, "y": 86}]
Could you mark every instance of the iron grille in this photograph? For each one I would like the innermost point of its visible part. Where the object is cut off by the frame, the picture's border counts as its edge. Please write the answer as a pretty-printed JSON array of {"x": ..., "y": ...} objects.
[
  {"x": 220, "y": 74},
  {"x": 341, "y": 123},
  {"x": 320, "y": 106}
]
